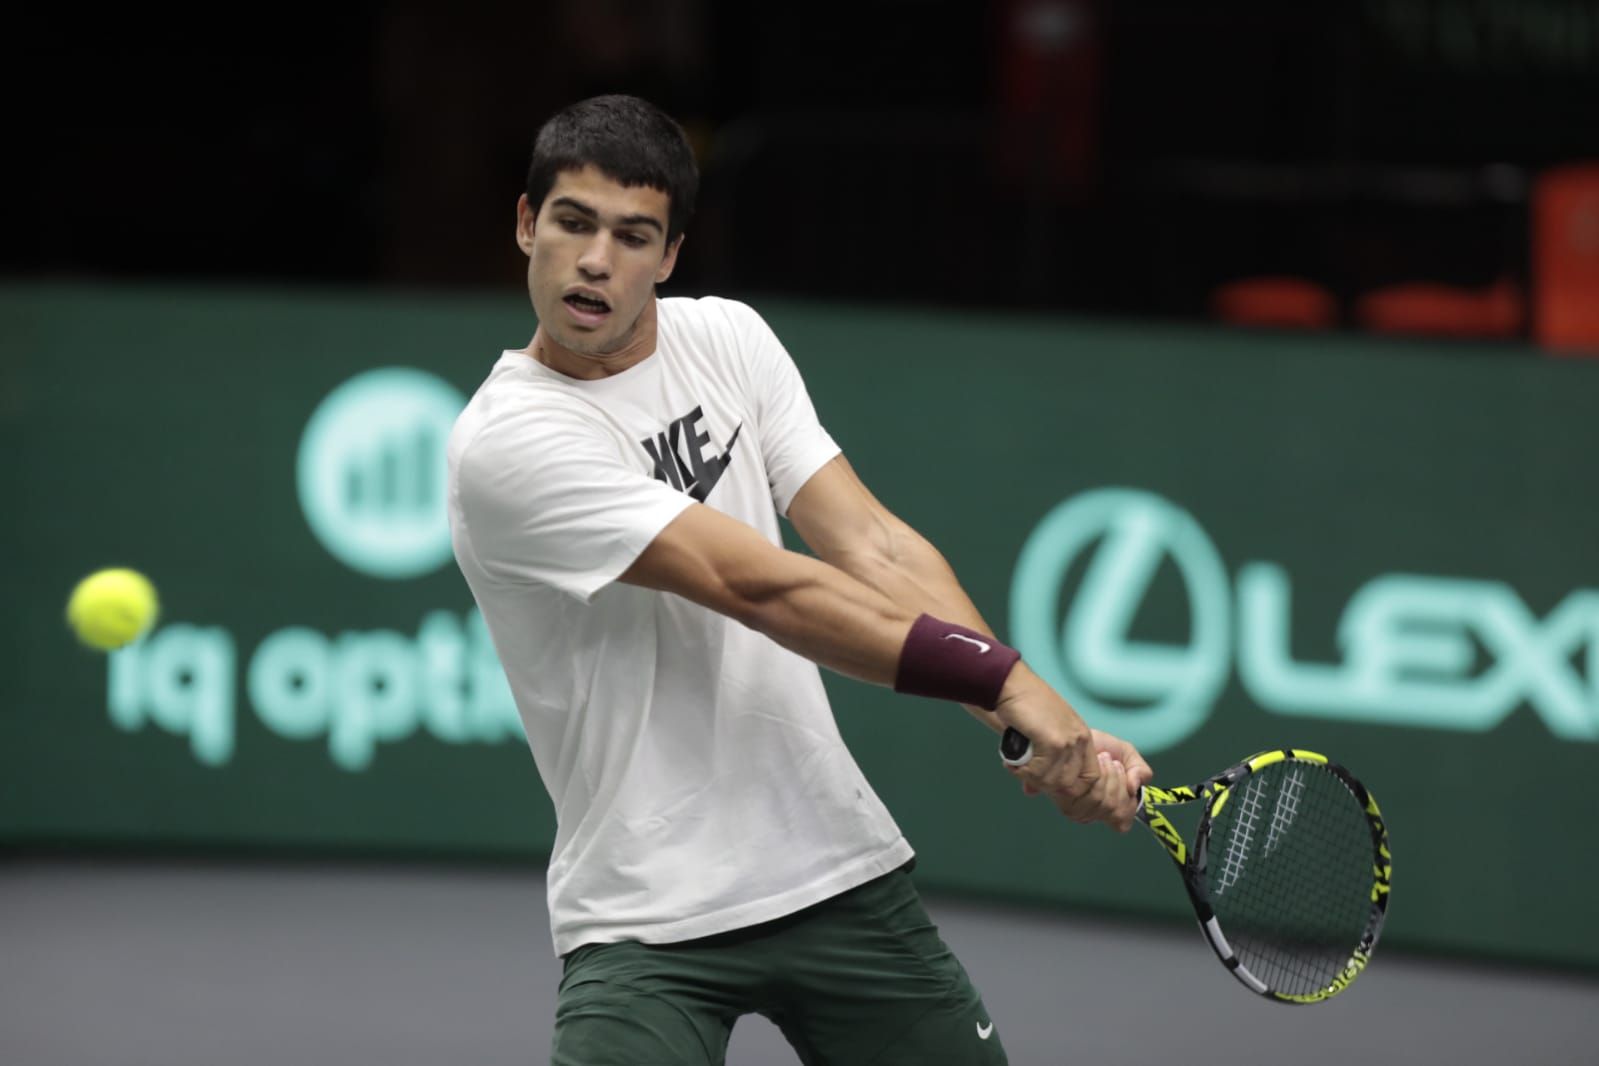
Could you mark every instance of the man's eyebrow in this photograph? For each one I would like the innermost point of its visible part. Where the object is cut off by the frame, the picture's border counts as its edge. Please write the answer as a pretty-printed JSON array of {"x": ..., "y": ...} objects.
[{"x": 627, "y": 220}]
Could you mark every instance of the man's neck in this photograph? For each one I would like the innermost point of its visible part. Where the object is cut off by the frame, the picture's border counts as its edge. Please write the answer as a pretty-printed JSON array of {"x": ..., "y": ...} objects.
[{"x": 563, "y": 360}]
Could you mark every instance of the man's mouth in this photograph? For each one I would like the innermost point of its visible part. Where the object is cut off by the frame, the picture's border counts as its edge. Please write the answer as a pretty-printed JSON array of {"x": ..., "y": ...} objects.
[{"x": 588, "y": 305}]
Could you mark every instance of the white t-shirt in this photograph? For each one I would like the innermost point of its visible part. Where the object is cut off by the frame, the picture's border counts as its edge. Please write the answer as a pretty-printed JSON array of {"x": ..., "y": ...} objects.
[{"x": 699, "y": 781}]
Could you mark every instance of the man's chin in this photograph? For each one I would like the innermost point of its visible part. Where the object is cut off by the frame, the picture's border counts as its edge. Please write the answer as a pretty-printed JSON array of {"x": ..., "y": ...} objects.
[{"x": 593, "y": 344}]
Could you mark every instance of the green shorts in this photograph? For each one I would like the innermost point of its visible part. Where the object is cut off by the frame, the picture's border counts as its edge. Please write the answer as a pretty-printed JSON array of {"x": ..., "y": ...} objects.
[{"x": 861, "y": 978}]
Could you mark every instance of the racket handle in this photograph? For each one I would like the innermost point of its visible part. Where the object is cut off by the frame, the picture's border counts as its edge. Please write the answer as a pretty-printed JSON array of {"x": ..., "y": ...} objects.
[{"x": 1015, "y": 749}]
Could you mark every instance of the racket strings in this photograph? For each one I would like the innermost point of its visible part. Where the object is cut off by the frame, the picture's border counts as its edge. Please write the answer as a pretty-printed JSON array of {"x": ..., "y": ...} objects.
[
  {"x": 1287, "y": 807},
  {"x": 1294, "y": 901},
  {"x": 1237, "y": 852}
]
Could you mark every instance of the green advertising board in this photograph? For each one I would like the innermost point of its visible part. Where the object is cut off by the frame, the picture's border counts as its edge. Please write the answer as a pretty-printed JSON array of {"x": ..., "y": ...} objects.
[{"x": 1213, "y": 543}]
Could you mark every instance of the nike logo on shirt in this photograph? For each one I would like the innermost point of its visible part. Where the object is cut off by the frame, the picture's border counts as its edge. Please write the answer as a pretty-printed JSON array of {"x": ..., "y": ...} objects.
[
  {"x": 678, "y": 453},
  {"x": 985, "y": 1031}
]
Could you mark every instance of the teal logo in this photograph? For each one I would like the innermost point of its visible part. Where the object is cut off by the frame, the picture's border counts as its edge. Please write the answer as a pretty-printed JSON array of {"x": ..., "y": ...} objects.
[
  {"x": 1152, "y": 694},
  {"x": 371, "y": 472},
  {"x": 371, "y": 481},
  {"x": 1422, "y": 651},
  {"x": 353, "y": 691}
]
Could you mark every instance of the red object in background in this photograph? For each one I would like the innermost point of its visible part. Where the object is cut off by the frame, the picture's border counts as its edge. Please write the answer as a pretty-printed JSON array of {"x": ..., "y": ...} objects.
[
  {"x": 1443, "y": 310},
  {"x": 1565, "y": 259},
  {"x": 1048, "y": 93},
  {"x": 1276, "y": 303}
]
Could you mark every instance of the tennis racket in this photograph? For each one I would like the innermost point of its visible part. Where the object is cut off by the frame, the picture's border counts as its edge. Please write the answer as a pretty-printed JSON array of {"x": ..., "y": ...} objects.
[{"x": 1289, "y": 871}]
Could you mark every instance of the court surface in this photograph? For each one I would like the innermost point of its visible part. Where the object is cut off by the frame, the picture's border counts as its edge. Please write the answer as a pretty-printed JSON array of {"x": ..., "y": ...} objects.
[{"x": 122, "y": 963}]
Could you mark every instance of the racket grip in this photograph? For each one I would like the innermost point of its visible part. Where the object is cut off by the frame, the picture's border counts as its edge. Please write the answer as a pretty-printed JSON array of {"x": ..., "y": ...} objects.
[{"x": 1015, "y": 749}]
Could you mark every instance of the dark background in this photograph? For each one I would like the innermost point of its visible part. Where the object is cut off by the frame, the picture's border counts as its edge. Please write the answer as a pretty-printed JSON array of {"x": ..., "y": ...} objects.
[{"x": 1084, "y": 155}]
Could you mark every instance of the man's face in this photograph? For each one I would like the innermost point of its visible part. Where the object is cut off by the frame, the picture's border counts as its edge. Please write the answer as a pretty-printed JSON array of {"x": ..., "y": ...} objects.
[{"x": 596, "y": 250}]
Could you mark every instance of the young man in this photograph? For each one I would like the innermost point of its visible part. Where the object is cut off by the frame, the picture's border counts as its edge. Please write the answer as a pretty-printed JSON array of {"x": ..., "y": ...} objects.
[{"x": 614, "y": 497}]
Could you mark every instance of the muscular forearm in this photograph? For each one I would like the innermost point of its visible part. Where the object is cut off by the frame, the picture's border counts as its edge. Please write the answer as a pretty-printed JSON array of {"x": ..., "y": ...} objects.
[
  {"x": 831, "y": 618},
  {"x": 804, "y": 604},
  {"x": 916, "y": 576},
  {"x": 813, "y": 607}
]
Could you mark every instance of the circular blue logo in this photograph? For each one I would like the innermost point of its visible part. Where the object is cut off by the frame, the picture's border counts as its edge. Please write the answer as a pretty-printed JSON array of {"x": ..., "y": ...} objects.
[
  {"x": 1085, "y": 650},
  {"x": 371, "y": 472}
]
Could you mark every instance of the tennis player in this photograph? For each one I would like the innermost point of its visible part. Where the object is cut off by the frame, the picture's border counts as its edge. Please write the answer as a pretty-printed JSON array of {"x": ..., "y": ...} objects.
[{"x": 614, "y": 495}]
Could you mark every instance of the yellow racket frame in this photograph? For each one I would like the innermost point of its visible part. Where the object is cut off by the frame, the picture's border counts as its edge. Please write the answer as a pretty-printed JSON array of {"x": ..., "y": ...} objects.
[{"x": 1215, "y": 792}]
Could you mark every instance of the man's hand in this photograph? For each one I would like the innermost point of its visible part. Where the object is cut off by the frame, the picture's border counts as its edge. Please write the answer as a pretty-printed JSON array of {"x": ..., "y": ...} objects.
[
  {"x": 1088, "y": 785},
  {"x": 1124, "y": 766},
  {"x": 1139, "y": 773}
]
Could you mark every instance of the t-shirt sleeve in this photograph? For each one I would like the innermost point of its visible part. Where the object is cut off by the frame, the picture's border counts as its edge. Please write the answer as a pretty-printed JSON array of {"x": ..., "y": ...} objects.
[
  {"x": 794, "y": 445},
  {"x": 545, "y": 498}
]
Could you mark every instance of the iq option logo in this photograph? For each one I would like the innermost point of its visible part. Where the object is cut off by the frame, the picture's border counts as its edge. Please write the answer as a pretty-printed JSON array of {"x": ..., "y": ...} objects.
[
  {"x": 353, "y": 691},
  {"x": 1409, "y": 642},
  {"x": 371, "y": 472},
  {"x": 371, "y": 481}
]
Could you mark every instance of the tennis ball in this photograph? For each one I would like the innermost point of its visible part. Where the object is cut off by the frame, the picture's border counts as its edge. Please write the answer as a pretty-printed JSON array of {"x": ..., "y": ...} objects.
[{"x": 110, "y": 608}]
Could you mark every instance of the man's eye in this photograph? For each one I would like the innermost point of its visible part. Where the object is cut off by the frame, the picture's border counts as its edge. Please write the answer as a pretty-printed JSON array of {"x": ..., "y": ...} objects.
[
  {"x": 573, "y": 225},
  {"x": 634, "y": 240}
]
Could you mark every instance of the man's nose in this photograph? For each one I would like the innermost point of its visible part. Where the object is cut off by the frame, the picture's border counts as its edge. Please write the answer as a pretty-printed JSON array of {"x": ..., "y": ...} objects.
[{"x": 595, "y": 262}]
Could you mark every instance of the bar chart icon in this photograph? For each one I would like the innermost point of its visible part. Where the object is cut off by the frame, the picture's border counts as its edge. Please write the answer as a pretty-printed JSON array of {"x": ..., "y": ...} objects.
[
  {"x": 371, "y": 471},
  {"x": 398, "y": 478}
]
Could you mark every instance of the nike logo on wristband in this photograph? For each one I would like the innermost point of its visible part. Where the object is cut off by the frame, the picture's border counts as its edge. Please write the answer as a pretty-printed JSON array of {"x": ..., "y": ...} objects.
[{"x": 982, "y": 648}]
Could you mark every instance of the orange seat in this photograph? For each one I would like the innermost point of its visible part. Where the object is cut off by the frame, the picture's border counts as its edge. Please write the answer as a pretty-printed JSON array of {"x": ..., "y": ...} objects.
[
  {"x": 1443, "y": 310},
  {"x": 1565, "y": 259},
  {"x": 1275, "y": 302}
]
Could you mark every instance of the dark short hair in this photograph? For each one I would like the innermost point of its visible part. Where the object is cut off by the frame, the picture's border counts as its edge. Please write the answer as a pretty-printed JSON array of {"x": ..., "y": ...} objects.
[{"x": 630, "y": 141}]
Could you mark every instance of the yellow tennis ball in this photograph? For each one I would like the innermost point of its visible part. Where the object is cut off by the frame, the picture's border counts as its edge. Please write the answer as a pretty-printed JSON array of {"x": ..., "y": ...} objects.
[{"x": 110, "y": 608}]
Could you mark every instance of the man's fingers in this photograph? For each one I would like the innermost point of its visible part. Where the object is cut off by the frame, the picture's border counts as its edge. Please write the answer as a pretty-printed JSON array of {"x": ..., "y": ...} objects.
[
  {"x": 1139, "y": 772},
  {"x": 1073, "y": 773},
  {"x": 1123, "y": 819},
  {"x": 1116, "y": 807},
  {"x": 1077, "y": 769},
  {"x": 1115, "y": 798},
  {"x": 1096, "y": 804},
  {"x": 1072, "y": 809},
  {"x": 1085, "y": 784},
  {"x": 1103, "y": 794}
]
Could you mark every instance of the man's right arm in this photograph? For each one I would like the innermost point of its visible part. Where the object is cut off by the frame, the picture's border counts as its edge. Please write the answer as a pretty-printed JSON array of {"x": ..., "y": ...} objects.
[
  {"x": 822, "y": 613},
  {"x": 807, "y": 606}
]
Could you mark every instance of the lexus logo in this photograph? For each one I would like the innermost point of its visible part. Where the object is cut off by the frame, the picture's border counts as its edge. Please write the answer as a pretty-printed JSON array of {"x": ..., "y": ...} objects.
[
  {"x": 1085, "y": 649},
  {"x": 1409, "y": 643}
]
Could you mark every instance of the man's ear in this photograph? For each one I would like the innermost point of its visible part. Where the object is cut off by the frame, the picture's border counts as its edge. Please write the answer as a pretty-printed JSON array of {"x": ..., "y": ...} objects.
[
  {"x": 525, "y": 219},
  {"x": 669, "y": 261}
]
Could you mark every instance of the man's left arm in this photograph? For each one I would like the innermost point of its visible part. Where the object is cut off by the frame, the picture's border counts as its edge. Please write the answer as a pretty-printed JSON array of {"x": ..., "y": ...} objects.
[{"x": 848, "y": 527}]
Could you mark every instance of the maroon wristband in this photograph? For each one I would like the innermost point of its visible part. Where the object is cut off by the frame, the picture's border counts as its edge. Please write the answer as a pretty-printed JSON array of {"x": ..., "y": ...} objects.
[{"x": 950, "y": 662}]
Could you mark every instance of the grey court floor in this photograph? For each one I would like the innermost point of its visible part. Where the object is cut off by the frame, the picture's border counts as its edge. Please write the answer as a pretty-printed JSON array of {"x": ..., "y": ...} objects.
[{"x": 171, "y": 964}]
